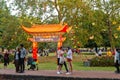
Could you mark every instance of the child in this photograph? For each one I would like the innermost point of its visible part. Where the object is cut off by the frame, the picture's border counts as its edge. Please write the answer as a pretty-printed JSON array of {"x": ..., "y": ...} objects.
[{"x": 34, "y": 65}]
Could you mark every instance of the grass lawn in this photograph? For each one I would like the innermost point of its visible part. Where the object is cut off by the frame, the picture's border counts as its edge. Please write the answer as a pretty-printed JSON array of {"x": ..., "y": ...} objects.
[
  {"x": 49, "y": 63},
  {"x": 76, "y": 66}
]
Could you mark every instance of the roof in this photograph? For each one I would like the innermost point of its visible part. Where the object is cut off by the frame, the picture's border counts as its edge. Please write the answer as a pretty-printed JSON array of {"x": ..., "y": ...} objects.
[{"x": 46, "y": 28}]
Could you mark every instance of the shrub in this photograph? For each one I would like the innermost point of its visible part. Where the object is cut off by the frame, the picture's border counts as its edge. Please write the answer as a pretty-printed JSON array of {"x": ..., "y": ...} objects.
[
  {"x": 102, "y": 61},
  {"x": 1, "y": 58},
  {"x": 11, "y": 57},
  {"x": 91, "y": 53}
]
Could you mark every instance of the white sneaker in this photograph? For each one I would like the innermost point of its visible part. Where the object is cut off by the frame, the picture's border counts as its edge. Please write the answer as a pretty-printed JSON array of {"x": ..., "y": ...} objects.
[
  {"x": 58, "y": 72},
  {"x": 68, "y": 73}
]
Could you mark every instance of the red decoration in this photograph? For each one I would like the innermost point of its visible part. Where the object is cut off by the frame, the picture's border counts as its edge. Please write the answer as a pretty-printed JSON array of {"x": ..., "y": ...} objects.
[
  {"x": 35, "y": 50},
  {"x": 64, "y": 29},
  {"x": 35, "y": 53}
]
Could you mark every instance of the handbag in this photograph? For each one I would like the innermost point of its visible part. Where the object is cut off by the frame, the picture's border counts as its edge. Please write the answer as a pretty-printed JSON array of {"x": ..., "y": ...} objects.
[{"x": 61, "y": 61}]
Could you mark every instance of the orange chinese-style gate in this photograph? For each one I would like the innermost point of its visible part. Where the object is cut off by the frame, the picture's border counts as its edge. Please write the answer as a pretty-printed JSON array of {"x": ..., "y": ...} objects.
[{"x": 46, "y": 33}]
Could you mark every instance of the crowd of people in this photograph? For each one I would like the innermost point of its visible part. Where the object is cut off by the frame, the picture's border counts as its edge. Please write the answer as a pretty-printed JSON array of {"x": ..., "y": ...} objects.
[
  {"x": 19, "y": 59},
  {"x": 64, "y": 58},
  {"x": 108, "y": 52}
]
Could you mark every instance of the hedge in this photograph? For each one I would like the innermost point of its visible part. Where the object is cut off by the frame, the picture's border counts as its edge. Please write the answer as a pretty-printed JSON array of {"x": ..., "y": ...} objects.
[
  {"x": 102, "y": 61},
  {"x": 91, "y": 53}
]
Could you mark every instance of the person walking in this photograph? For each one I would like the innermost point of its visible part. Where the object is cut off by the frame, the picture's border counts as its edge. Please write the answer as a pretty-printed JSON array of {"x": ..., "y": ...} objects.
[
  {"x": 69, "y": 60},
  {"x": 117, "y": 60},
  {"x": 22, "y": 58},
  {"x": 17, "y": 60},
  {"x": 6, "y": 58}
]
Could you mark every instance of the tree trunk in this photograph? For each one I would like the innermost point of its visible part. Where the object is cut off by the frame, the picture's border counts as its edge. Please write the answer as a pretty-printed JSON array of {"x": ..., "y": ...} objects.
[
  {"x": 59, "y": 14},
  {"x": 110, "y": 34}
]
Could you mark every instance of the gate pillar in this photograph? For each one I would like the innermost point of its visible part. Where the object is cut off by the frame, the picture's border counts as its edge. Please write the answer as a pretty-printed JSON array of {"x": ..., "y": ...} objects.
[{"x": 35, "y": 50}]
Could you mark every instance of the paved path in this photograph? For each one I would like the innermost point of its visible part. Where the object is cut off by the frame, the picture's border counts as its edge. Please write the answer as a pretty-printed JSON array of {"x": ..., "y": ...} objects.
[{"x": 81, "y": 74}]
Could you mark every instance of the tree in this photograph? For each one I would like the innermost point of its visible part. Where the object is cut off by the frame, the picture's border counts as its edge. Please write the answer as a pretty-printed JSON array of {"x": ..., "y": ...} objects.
[
  {"x": 12, "y": 35},
  {"x": 87, "y": 17},
  {"x": 111, "y": 12}
]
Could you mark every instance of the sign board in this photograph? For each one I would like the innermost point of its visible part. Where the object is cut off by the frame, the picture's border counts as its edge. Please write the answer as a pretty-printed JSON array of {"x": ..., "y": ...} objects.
[{"x": 46, "y": 39}]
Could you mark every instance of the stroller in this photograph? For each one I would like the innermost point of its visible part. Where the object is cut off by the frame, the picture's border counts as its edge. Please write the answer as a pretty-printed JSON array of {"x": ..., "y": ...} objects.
[{"x": 33, "y": 64}]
